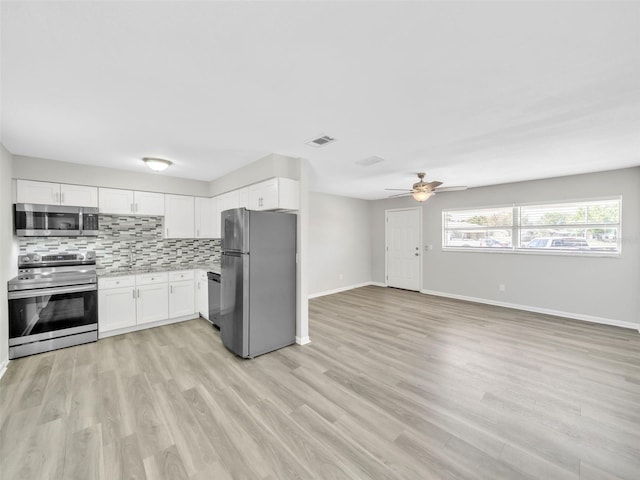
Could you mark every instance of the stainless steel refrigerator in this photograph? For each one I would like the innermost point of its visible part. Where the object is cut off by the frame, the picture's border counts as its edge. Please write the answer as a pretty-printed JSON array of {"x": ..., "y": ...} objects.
[{"x": 258, "y": 291}]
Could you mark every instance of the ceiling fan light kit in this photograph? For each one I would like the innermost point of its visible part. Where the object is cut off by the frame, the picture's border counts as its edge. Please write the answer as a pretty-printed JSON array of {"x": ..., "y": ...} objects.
[
  {"x": 421, "y": 195},
  {"x": 157, "y": 164},
  {"x": 421, "y": 191}
]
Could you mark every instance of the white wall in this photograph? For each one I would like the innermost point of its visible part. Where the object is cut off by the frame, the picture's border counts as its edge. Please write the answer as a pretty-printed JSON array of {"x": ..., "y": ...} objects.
[
  {"x": 30, "y": 168},
  {"x": 339, "y": 243},
  {"x": 592, "y": 288},
  {"x": 8, "y": 265}
]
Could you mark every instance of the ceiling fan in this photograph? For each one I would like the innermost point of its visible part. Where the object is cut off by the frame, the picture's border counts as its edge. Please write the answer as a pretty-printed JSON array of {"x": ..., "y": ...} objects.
[{"x": 422, "y": 190}]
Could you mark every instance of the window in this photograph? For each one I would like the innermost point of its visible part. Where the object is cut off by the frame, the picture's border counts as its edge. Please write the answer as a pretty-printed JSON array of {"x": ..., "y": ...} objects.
[
  {"x": 479, "y": 228},
  {"x": 585, "y": 227}
]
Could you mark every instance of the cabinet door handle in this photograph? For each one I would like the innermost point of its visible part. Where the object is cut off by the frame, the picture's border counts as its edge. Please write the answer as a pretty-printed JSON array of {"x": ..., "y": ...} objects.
[
  {"x": 197, "y": 232},
  {"x": 171, "y": 289},
  {"x": 138, "y": 293},
  {"x": 134, "y": 293},
  {"x": 167, "y": 232},
  {"x": 62, "y": 197}
]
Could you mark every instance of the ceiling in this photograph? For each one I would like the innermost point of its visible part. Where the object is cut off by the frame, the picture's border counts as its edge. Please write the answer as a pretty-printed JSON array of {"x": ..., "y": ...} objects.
[{"x": 473, "y": 93}]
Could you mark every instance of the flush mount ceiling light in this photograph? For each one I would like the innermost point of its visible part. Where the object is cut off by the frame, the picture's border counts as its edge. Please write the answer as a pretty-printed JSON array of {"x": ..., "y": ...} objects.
[{"x": 157, "y": 164}]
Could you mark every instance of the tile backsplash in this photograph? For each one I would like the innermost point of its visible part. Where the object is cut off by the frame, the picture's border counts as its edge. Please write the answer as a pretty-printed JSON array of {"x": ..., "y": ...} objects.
[{"x": 119, "y": 235}]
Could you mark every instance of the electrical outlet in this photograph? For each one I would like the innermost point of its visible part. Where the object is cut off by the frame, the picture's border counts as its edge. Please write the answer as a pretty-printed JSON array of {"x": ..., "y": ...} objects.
[{"x": 502, "y": 287}]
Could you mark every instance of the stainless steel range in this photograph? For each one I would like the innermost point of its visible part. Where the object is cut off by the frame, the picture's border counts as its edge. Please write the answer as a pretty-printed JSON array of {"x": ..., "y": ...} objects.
[{"x": 53, "y": 302}]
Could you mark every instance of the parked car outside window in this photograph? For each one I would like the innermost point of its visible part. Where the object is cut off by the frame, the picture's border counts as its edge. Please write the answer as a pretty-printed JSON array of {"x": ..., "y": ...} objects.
[
  {"x": 492, "y": 242},
  {"x": 566, "y": 243}
]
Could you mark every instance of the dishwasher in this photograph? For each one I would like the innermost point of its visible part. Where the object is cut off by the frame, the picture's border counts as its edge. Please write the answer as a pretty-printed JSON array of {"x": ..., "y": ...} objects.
[{"x": 214, "y": 298}]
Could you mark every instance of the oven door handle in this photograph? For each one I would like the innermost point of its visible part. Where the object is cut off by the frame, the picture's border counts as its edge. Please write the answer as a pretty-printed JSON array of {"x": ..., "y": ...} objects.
[{"x": 51, "y": 291}]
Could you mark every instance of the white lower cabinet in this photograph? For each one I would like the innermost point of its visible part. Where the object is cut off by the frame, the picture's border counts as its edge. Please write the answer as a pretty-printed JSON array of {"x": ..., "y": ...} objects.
[
  {"x": 116, "y": 308},
  {"x": 181, "y": 293},
  {"x": 132, "y": 300},
  {"x": 152, "y": 303},
  {"x": 202, "y": 294}
]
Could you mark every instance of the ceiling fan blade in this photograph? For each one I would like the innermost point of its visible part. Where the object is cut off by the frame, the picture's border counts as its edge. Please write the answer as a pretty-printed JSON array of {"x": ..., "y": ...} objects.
[
  {"x": 451, "y": 189},
  {"x": 399, "y": 189},
  {"x": 433, "y": 185},
  {"x": 400, "y": 195}
]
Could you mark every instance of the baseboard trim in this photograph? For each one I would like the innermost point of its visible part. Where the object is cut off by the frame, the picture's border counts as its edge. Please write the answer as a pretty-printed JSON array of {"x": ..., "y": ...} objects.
[
  {"x": 303, "y": 340},
  {"x": 144, "y": 326},
  {"x": 3, "y": 367},
  {"x": 544, "y": 311},
  {"x": 344, "y": 289}
]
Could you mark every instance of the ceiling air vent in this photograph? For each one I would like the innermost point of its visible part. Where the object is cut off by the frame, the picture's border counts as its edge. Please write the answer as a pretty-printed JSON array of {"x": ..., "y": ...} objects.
[{"x": 321, "y": 141}]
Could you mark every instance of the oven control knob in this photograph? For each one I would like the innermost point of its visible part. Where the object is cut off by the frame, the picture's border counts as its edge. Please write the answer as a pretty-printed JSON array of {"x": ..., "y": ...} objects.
[{"x": 35, "y": 258}]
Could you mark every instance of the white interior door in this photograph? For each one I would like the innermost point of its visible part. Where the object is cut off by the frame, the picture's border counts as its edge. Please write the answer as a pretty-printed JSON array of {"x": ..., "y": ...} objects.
[{"x": 403, "y": 241}]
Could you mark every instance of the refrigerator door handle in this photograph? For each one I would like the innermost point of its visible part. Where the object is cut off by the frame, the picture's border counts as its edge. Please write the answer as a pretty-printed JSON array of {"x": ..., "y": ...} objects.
[{"x": 234, "y": 254}]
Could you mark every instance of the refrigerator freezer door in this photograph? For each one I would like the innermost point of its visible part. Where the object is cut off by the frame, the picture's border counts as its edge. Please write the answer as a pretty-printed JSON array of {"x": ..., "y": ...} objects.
[
  {"x": 235, "y": 230},
  {"x": 234, "y": 306}
]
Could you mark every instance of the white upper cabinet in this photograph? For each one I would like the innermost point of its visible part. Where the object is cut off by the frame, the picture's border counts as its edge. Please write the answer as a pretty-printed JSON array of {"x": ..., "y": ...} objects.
[
  {"x": 179, "y": 216},
  {"x": 243, "y": 197},
  {"x": 275, "y": 194},
  {"x": 148, "y": 203},
  {"x": 78, "y": 195},
  {"x": 38, "y": 192},
  {"x": 115, "y": 201},
  {"x": 215, "y": 210},
  {"x": 204, "y": 217},
  {"x": 223, "y": 202},
  {"x": 48, "y": 193},
  {"x": 128, "y": 202},
  {"x": 229, "y": 200}
]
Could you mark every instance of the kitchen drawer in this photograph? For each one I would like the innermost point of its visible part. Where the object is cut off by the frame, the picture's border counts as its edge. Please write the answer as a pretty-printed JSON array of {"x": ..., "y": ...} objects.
[
  {"x": 181, "y": 275},
  {"x": 151, "y": 278},
  {"x": 116, "y": 282},
  {"x": 201, "y": 275}
]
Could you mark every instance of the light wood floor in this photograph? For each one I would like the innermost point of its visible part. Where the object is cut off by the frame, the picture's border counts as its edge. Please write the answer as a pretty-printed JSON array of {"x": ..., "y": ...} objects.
[{"x": 394, "y": 385}]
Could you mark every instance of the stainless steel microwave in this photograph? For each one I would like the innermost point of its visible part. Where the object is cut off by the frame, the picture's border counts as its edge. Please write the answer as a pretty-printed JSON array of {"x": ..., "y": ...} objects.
[{"x": 32, "y": 220}]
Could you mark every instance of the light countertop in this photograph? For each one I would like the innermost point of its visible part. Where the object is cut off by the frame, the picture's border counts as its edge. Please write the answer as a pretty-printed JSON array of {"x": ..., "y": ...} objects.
[{"x": 116, "y": 272}]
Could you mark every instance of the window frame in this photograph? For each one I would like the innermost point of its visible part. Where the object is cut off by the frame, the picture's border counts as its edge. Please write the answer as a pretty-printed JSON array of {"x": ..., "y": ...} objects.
[{"x": 517, "y": 228}]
